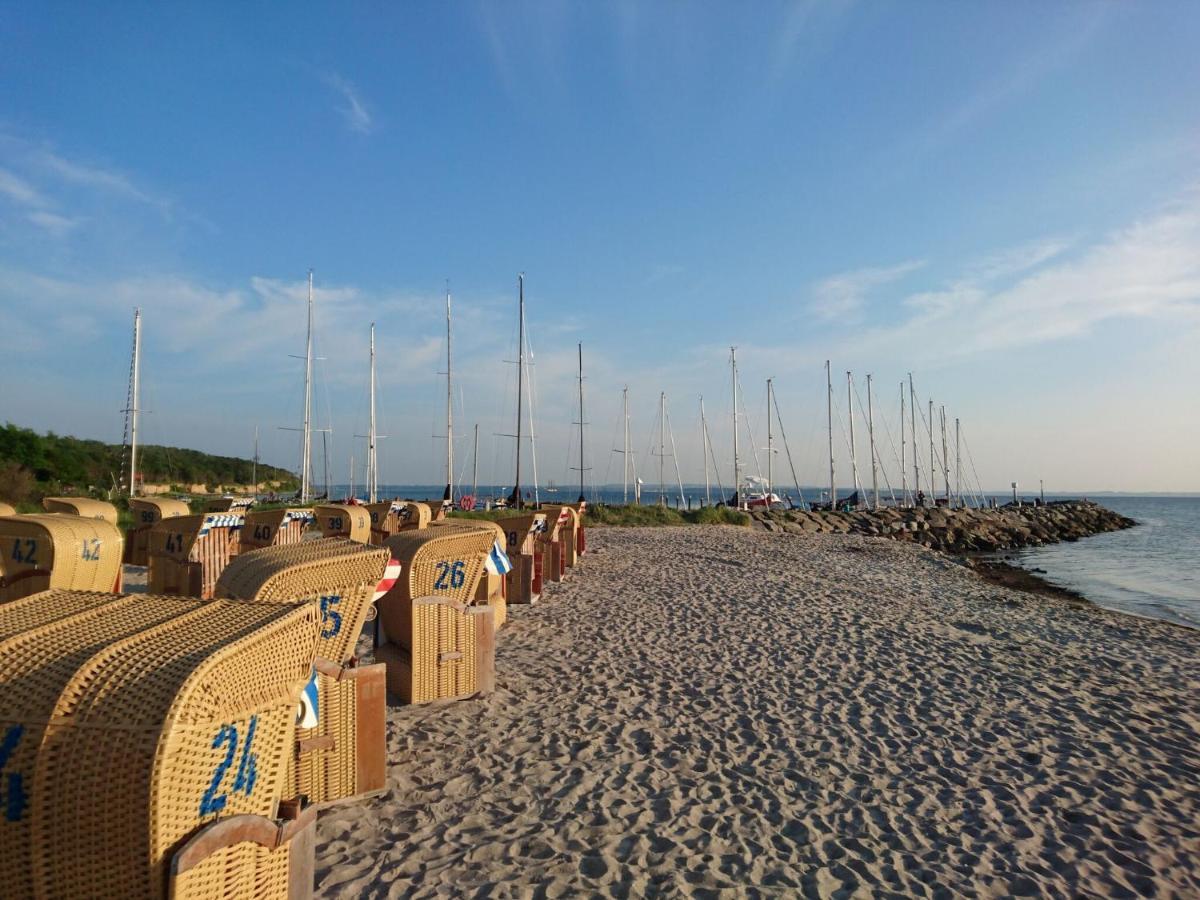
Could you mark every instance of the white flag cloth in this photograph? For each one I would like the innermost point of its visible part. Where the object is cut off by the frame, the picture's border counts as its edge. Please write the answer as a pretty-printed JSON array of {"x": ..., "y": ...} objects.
[{"x": 497, "y": 561}]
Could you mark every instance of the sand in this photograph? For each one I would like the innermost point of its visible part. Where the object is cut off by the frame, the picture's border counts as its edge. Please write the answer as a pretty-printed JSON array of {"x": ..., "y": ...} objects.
[{"x": 699, "y": 710}]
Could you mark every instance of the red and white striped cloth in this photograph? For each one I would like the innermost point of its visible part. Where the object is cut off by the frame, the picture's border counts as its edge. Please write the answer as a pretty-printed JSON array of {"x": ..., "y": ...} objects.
[{"x": 390, "y": 574}]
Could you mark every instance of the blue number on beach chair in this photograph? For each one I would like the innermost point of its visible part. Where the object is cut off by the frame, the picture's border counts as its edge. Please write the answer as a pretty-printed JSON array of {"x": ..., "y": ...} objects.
[
  {"x": 14, "y": 795},
  {"x": 330, "y": 615},
  {"x": 174, "y": 543},
  {"x": 247, "y": 772},
  {"x": 457, "y": 575},
  {"x": 91, "y": 549},
  {"x": 212, "y": 802},
  {"x": 28, "y": 555}
]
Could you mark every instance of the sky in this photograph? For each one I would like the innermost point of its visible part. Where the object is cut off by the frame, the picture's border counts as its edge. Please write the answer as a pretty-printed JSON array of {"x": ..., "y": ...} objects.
[{"x": 1002, "y": 199}]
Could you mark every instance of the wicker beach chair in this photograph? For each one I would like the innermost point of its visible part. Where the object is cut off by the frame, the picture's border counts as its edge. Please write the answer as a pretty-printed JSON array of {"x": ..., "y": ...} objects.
[
  {"x": 56, "y": 551},
  {"x": 228, "y": 504},
  {"x": 437, "y": 646},
  {"x": 526, "y": 552},
  {"x": 570, "y": 533},
  {"x": 148, "y": 719},
  {"x": 146, "y": 512},
  {"x": 344, "y": 756},
  {"x": 7, "y": 510},
  {"x": 385, "y": 520},
  {"x": 344, "y": 520},
  {"x": 274, "y": 528},
  {"x": 414, "y": 515},
  {"x": 493, "y": 585},
  {"x": 558, "y": 531},
  {"x": 188, "y": 554},
  {"x": 81, "y": 506}
]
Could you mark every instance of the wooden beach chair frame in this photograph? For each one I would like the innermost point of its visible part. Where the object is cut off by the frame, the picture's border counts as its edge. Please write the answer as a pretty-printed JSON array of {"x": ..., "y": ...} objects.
[
  {"x": 146, "y": 512},
  {"x": 526, "y": 552}
]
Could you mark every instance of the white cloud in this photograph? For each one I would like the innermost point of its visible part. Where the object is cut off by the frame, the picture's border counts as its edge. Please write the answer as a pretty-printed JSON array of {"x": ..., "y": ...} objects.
[
  {"x": 353, "y": 109},
  {"x": 842, "y": 296},
  {"x": 19, "y": 190},
  {"x": 53, "y": 223}
]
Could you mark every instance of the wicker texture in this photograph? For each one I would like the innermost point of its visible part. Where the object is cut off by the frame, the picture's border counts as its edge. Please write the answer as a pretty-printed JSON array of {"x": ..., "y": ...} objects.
[
  {"x": 188, "y": 554},
  {"x": 344, "y": 520},
  {"x": 81, "y": 506},
  {"x": 245, "y": 871},
  {"x": 58, "y": 551},
  {"x": 7, "y": 510},
  {"x": 446, "y": 561},
  {"x": 414, "y": 516},
  {"x": 160, "y": 732},
  {"x": 340, "y": 573},
  {"x": 146, "y": 512},
  {"x": 274, "y": 528},
  {"x": 526, "y": 553},
  {"x": 493, "y": 587},
  {"x": 46, "y": 638}
]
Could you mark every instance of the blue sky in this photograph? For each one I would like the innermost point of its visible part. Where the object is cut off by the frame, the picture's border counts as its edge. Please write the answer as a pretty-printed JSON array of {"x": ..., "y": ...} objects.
[{"x": 1000, "y": 198}]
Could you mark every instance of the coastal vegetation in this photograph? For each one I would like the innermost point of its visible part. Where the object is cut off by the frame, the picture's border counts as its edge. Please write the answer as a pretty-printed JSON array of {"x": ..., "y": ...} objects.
[
  {"x": 634, "y": 516},
  {"x": 33, "y": 465}
]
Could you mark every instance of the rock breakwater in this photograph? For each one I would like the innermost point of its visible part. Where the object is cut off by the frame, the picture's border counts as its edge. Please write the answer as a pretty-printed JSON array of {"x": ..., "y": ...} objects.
[{"x": 958, "y": 531}]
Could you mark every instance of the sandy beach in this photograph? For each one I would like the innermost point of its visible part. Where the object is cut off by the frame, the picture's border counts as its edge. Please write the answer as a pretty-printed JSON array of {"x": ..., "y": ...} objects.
[{"x": 698, "y": 710}]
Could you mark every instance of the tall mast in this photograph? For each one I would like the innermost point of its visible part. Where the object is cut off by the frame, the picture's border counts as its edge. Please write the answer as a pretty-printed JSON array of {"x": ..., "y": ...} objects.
[
  {"x": 475, "y": 465},
  {"x": 945, "y": 455},
  {"x": 871, "y": 432},
  {"x": 515, "y": 499},
  {"x": 350, "y": 493},
  {"x": 912, "y": 412},
  {"x": 903, "y": 469},
  {"x": 957, "y": 463},
  {"x": 625, "y": 448},
  {"x": 829, "y": 408},
  {"x": 306, "y": 456},
  {"x": 932, "y": 455},
  {"x": 254, "y": 466},
  {"x": 582, "y": 498},
  {"x": 662, "y": 434},
  {"x": 325, "y": 459},
  {"x": 372, "y": 463},
  {"x": 770, "y": 449},
  {"x": 704, "y": 447},
  {"x": 737, "y": 463},
  {"x": 675, "y": 457},
  {"x": 449, "y": 494},
  {"x": 853, "y": 448},
  {"x": 133, "y": 428}
]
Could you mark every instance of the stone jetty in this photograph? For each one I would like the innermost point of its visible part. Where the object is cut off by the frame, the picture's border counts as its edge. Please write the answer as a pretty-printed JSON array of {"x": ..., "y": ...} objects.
[{"x": 958, "y": 531}]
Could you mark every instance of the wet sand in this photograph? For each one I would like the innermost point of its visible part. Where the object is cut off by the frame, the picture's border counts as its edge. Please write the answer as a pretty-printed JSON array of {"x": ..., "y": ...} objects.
[{"x": 698, "y": 710}]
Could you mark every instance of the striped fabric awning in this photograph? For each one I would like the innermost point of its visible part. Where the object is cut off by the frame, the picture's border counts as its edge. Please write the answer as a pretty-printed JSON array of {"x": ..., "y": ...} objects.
[{"x": 221, "y": 520}]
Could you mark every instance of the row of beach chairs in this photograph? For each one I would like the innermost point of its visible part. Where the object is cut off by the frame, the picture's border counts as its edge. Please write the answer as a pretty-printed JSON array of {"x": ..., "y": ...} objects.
[{"x": 149, "y": 743}]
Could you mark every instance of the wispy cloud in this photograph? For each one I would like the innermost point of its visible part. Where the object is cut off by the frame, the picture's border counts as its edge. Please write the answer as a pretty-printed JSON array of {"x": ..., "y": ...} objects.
[
  {"x": 842, "y": 296},
  {"x": 19, "y": 190},
  {"x": 352, "y": 108},
  {"x": 53, "y": 223}
]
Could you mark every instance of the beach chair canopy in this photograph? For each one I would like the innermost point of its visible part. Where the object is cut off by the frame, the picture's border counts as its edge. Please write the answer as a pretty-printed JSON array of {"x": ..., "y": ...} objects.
[
  {"x": 344, "y": 520},
  {"x": 274, "y": 527},
  {"x": 81, "y": 506},
  {"x": 7, "y": 510},
  {"x": 188, "y": 554},
  {"x": 40, "y": 552}
]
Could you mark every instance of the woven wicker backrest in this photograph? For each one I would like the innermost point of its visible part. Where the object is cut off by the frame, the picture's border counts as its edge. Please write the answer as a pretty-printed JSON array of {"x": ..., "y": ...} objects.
[
  {"x": 274, "y": 527},
  {"x": 414, "y": 516},
  {"x": 491, "y": 584},
  {"x": 81, "y": 506},
  {"x": 188, "y": 554},
  {"x": 219, "y": 504},
  {"x": 385, "y": 520},
  {"x": 46, "y": 638},
  {"x": 558, "y": 520},
  {"x": 341, "y": 574},
  {"x": 7, "y": 510},
  {"x": 148, "y": 510},
  {"x": 444, "y": 562},
  {"x": 58, "y": 551},
  {"x": 344, "y": 520},
  {"x": 521, "y": 531},
  {"x": 161, "y": 732}
]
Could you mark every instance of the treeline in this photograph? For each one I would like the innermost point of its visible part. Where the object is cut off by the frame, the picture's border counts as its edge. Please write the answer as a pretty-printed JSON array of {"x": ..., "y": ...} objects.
[{"x": 33, "y": 463}]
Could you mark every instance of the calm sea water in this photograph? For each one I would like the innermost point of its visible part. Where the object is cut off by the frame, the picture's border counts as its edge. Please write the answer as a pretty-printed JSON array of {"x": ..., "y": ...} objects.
[{"x": 1152, "y": 570}]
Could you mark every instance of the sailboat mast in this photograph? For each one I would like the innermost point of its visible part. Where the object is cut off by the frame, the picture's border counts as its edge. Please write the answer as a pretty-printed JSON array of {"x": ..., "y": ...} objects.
[
  {"x": 704, "y": 448},
  {"x": 903, "y": 468},
  {"x": 932, "y": 468},
  {"x": 662, "y": 434},
  {"x": 449, "y": 495},
  {"x": 306, "y": 455},
  {"x": 737, "y": 467},
  {"x": 133, "y": 428},
  {"x": 515, "y": 499},
  {"x": 912, "y": 412},
  {"x": 582, "y": 498},
  {"x": 675, "y": 457},
  {"x": 350, "y": 493},
  {"x": 475, "y": 465},
  {"x": 770, "y": 449},
  {"x": 945, "y": 455},
  {"x": 625, "y": 448},
  {"x": 829, "y": 409},
  {"x": 957, "y": 464},
  {"x": 853, "y": 448},
  {"x": 871, "y": 434},
  {"x": 372, "y": 463},
  {"x": 254, "y": 466}
]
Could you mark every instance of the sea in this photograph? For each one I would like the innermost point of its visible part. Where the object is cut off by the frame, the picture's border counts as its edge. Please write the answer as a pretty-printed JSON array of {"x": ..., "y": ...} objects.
[{"x": 1152, "y": 570}]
